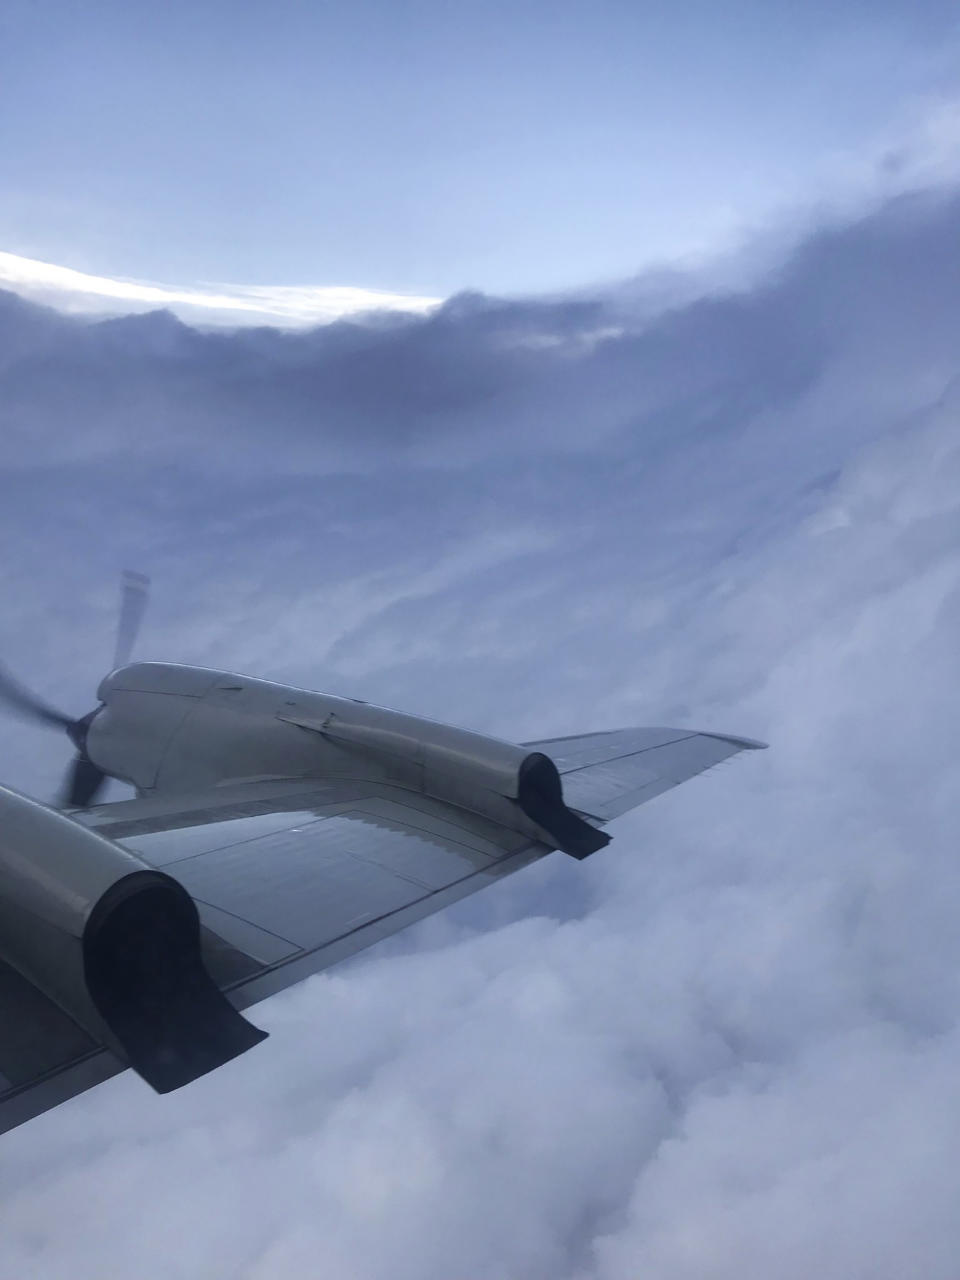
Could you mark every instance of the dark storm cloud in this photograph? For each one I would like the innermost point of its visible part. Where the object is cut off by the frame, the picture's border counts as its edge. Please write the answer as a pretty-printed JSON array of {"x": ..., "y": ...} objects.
[{"x": 481, "y": 376}]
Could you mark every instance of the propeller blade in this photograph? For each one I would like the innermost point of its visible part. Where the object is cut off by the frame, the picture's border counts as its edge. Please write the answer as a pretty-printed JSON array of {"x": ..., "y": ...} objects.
[
  {"x": 28, "y": 704},
  {"x": 134, "y": 590},
  {"x": 84, "y": 781}
]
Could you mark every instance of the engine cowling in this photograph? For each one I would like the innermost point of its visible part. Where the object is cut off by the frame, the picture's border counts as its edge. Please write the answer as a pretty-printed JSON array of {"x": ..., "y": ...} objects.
[
  {"x": 113, "y": 942},
  {"x": 174, "y": 728},
  {"x": 486, "y": 775}
]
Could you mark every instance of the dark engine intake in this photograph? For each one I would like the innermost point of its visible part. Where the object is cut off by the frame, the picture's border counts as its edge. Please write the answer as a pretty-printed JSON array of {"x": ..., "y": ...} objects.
[{"x": 540, "y": 796}]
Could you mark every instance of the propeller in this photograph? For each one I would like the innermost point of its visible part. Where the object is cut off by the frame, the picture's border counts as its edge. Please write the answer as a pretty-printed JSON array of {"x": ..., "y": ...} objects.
[
  {"x": 134, "y": 590},
  {"x": 84, "y": 779}
]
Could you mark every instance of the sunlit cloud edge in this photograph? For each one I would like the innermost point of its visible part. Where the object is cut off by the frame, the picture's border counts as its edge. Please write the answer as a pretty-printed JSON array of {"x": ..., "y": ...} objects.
[{"x": 78, "y": 292}]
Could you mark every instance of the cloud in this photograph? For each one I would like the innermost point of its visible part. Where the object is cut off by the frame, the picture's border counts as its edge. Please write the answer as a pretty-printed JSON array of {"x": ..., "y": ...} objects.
[
  {"x": 78, "y": 292},
  {"x": 726, "y": 1045}
]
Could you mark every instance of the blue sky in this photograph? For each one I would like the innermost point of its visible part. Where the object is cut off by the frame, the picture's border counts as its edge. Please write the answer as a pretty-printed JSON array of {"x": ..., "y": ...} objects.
[{"x": 426, "y": 147}]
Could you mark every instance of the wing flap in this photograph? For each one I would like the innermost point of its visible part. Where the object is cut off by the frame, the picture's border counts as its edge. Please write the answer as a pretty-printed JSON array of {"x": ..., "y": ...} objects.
[
  {"x": 292, "y": 877},
  {"x": 296, "y": 890}
]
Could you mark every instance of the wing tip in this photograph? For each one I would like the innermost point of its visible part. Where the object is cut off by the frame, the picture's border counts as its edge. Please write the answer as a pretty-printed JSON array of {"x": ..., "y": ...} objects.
[{"x": 744, "y": 744}]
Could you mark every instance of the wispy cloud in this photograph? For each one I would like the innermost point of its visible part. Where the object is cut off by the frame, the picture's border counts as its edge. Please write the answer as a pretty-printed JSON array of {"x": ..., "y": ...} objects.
[{"x": 289, "y": 305}]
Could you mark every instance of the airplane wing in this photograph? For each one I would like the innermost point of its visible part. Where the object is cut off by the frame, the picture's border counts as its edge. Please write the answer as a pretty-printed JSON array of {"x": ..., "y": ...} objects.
[
  {"x": 291, "y": 876},
  {"x": 605, "y": 774}
]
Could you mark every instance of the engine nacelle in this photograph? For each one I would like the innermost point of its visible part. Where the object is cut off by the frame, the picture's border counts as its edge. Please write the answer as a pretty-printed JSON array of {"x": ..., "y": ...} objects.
[
  {"x": 114, "y": 943},
  {"x": 174, "y": 728},
  {"x": 496, "y": 779}
]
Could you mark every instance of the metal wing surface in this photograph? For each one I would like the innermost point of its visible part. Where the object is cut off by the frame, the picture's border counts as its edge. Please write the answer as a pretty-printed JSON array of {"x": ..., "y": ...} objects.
[
  {"x": 605, "y": 774},
  {"x": 292, "y": 876},
  {"x": 288, "y": 878}
]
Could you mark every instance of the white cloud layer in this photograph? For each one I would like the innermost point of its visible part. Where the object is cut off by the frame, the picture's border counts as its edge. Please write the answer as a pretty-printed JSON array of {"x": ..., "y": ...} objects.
[
  {"x": 78, "y": 292},
  {"x": 729, "y": 1045}
]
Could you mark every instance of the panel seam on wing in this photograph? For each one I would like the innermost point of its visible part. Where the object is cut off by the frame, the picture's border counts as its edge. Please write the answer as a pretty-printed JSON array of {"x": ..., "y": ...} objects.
[{"x": 628, "y": 754}]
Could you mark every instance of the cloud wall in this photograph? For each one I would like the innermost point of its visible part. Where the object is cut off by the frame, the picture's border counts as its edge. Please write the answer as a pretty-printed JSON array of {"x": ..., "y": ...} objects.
[{"x": 728, "y": 1046}]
